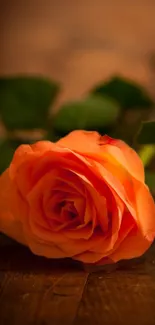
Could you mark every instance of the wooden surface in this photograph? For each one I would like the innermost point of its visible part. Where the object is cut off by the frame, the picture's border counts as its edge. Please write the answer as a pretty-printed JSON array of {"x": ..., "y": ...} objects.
[{"x": 38, "y": 291}]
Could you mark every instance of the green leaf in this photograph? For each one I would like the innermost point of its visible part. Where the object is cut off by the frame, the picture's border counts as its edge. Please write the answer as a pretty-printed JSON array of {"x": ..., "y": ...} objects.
[
  {"x": 92, "y": 113},
  {"x": 128, "y": 94},
  {"x": 150, "y": 180},
  {"x": 25, "y": 101},
  {"x": 146, "y": 133},
  {"x": 146, "y": 154}
]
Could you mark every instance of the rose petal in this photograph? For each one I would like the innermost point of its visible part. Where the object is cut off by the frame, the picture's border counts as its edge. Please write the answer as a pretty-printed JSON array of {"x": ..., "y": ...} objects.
[
  {"x": 106, "y": 244},
  {"x": 93, "y": 143},
  {"x": 9, "y": 225},
  {"x": 88, "y": 257},
  {"x": 115, "y": 185},
  {"x": 84, "y": 232},
  {"x": 81, "y": 141},
  {"x": 134, "y": 245},
  {"x": 78, "y": 246},
  {"x": 21, "y": 155},
  {"x": 46, "y": 250},
  {"x": 145, "y": 210},
  {"x": 98, "y": 201},
  {"x": 127, "y": 157}
]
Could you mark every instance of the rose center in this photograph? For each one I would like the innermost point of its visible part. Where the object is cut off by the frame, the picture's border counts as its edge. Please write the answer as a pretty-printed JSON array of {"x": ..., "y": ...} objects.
[{"x": 67, "y": 210}]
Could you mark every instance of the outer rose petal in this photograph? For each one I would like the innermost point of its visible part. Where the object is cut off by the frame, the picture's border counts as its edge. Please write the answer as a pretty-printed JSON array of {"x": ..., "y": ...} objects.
[
  {"x": 141, "y": 237},
  {"x": 126, "y": 156},
  {"x": 9, "y": 225},
  {"x": 93, "y": 143},
  {"x": 25, "y": 152},
  {"x": 81, "y": 141},
  {"x": 45, "y": 249},
  {"x": 145, "y": 211},
  {"x": 134, "y": 245},
  {"x": 83, "y": 153}
]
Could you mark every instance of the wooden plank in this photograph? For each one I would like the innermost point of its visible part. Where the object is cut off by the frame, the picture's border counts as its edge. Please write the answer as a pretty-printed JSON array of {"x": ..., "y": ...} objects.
[
  {"x": 60, "y": 304},
  {"x": 35, "y": 290},
  {"x": 20, "y": 296},
  {"x": 41, "y": 299},
  {"x": 39, "y": 291},
  {"x": 125, "y": 296}
]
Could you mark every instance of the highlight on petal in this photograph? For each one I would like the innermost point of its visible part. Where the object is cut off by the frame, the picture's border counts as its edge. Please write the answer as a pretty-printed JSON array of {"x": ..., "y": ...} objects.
[
  {"x": 81, "y": 141},
  {"x": 93, "y": 143},
  {"x": 126, "y": 156}
]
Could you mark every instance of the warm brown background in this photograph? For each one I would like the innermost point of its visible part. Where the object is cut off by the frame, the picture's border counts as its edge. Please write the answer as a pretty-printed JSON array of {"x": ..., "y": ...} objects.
[{"x": 78, "y": 42}]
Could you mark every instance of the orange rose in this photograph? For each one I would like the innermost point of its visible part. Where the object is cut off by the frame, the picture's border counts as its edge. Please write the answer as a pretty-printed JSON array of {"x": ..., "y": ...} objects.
[{"x": 83, "y": 197}]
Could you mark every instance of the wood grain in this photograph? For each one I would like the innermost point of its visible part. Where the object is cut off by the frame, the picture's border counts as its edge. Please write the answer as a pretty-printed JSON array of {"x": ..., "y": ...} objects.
[
  {"x": 35, "y": 290},
  {"x": 41, "y": 299},
  {"x": 117, "y": 299},
  {"x": 125, "y": 296}
]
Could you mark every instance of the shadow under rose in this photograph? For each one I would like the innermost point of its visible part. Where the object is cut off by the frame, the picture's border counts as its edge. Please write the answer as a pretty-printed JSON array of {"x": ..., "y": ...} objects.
[{"x": 18, "y": 258}]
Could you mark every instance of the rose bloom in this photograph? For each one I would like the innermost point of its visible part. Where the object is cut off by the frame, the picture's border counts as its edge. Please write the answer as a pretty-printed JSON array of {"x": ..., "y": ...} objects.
[{"x": 82, "y": 197}]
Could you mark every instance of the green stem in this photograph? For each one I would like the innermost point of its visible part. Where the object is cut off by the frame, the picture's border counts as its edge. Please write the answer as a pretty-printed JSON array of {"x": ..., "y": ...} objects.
[{"x": 146, "y": 154}]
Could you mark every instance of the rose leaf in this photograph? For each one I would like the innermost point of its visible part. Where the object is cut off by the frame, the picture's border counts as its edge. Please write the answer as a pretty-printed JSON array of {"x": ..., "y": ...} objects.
[
  {"x": 129, "y": 94},
  {"x": 25, "y": 101}
]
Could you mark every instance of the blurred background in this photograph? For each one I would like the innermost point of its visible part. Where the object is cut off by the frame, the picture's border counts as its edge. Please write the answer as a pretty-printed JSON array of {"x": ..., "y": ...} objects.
[
  {"x": 78, "y": 42},
  {"x": 77, "y": 46}
]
